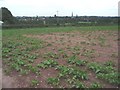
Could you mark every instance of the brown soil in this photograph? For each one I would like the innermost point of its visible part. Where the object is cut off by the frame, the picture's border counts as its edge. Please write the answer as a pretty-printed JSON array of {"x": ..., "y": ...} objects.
[
  {"x": 8, "y": 81},
  {"x": 88, "y": 40}
]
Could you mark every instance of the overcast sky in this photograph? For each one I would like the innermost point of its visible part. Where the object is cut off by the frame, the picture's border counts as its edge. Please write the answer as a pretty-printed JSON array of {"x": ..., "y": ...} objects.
[{"x": 65, "y": 7}]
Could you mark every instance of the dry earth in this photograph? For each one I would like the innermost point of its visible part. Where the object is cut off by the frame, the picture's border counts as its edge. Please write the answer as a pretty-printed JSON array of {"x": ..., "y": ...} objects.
[{"x": 89, "y": 40}]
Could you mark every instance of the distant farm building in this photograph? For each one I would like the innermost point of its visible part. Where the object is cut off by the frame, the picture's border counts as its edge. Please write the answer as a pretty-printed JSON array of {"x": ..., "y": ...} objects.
[{"x": 1, "y": 23}]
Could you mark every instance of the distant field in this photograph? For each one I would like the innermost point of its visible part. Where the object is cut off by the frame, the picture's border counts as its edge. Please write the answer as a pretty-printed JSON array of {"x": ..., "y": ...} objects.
[
  {"x": 71, "y": 57},
  {"x": 57, "y": 29}
]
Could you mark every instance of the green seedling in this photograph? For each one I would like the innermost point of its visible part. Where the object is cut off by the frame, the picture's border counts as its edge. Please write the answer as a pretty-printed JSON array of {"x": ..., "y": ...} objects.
[
  {"x": 98, "y": 68},
  {"x": 53, "y": 81},
  {"x": 70, "y": 81},
  {"x": 76, "y": 48},
  {"x": 83, "y": 42},
  {"x": 72, "y": 59},
  {"x": 34, "y": 69},
  {"x": 95, "y": 85},
  {"x": 24, "y": 72},
  {"x": 6, "y": 50},
  {"x": 78, "y": 84},
  {"x": 62, "y": 53},
  {"x": 76, "y": 61},
  {"x": 51, "y": 55},
  {"x": 31, "y": 60},
  {"x": 75, "y": 73},
  {"x": 109, "y": 63},
  {"x": 15, "y": 67},
  {"x": 111, "y": 77},
  {"x": 88, "y": 53},
  {"x": 34, "y": 82},
  {"x": 20, "y": 62},
  {"x": 48, "y": 63},
  {"x": 101, "y": 40},
  {"x": 80, "y": 62},
  {"x": 49, "y": 44}
]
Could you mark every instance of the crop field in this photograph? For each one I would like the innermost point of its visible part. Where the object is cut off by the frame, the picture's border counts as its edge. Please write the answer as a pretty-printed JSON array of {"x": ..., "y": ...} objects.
[{"x": 60, "y": 57}]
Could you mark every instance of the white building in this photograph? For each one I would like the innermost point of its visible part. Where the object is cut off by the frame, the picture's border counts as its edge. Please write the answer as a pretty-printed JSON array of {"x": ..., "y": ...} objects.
[{"x": 1, "y": 23}]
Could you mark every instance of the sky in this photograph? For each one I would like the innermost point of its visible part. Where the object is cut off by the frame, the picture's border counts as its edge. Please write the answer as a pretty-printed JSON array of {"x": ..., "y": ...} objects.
[{"x": 64, "y": 7}]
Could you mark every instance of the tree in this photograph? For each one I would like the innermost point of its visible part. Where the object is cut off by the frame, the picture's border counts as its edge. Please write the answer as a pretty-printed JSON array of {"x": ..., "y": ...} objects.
[{"x": 7, "y": 16}]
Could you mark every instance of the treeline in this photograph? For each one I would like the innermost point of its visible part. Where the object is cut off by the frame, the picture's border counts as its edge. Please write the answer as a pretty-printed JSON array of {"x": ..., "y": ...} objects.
[
  {"x": 22, "y": 22},
  {"x": 9, "y": 21}
]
